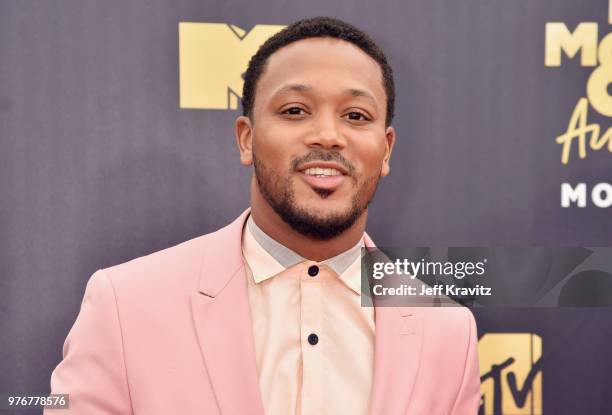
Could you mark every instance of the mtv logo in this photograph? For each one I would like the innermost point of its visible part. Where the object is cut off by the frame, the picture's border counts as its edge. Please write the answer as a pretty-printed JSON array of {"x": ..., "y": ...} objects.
[
  {"x": 212, "y": 59},
  {"x": 510, "y": 374}
]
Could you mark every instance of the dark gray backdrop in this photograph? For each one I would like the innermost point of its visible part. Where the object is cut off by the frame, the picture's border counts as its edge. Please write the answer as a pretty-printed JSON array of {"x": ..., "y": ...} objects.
[{"x": 99, "y": 165}]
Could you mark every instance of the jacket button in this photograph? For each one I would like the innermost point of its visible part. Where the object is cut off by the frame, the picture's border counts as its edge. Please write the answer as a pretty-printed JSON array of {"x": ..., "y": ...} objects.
[
  {"x": 313, "y": 270},
  {"x": 313, "y": 339}
]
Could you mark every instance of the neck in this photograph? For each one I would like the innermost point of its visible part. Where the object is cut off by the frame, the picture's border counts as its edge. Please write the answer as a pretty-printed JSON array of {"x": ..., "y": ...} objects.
[{"x": 310, "y": 248}]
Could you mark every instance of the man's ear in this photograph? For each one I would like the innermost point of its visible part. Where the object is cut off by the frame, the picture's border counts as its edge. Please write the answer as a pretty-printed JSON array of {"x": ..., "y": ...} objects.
[
  {"x": 389, "y": 142},
  {"x": 244, "y": 139}
]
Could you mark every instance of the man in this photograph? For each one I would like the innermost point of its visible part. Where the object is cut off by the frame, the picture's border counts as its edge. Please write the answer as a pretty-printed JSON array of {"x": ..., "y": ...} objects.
[{"x": 264, "y": 315}]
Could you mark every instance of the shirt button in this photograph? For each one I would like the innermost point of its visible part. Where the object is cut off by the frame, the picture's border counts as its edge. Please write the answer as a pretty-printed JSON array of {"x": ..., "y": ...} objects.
[
  {"x": 313, "y": 270},
  {"x": 313, "y": 339}
]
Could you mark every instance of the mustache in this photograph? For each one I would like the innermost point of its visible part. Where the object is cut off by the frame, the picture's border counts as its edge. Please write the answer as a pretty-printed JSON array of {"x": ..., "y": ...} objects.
[{"x": 321, "y": 155}]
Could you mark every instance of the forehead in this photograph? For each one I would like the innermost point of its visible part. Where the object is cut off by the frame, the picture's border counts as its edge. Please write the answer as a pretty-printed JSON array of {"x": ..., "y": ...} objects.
[{"x": 327, "y": 65}]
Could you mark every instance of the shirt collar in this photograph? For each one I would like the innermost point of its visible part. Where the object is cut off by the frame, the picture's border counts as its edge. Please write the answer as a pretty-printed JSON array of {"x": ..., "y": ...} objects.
[{"x": 267, "y": 257}]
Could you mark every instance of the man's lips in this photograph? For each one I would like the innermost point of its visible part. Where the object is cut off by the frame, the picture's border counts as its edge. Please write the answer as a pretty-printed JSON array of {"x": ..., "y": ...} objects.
[
  {"x": 323, "y": 165},
  {"x": 323, "y": 182},
  {"x": 323, "y": 175}
]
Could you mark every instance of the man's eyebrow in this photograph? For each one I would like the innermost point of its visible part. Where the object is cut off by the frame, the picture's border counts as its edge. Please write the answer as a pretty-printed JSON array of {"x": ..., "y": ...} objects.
[
  {"x": 292, "y": 88},
  {"x": 360, "y": 93},
  {"x": 354, "y": 92}
]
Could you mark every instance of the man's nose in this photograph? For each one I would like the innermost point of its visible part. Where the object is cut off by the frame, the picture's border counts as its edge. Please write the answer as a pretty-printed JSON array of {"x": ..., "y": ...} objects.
[{"x": 326, "y": 133}]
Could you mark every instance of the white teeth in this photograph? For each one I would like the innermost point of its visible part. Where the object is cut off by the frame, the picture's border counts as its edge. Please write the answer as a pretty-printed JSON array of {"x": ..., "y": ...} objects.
[{"x": 318, "y": 171}]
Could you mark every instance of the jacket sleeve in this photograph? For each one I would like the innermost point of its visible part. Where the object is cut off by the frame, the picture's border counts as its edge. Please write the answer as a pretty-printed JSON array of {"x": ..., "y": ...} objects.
[
  {"x": 93, "y": 371},
  {"x": 468, "y": 397}
]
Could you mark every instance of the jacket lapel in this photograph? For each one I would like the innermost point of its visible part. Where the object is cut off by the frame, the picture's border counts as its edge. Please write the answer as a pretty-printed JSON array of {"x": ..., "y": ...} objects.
[
  {"x": 222, "y": 320},
  {"x": 397, "y": 355},
  {"x": 397, "y": 352}
]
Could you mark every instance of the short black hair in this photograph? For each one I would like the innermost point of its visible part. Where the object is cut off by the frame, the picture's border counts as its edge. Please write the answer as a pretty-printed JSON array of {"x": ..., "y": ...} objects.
[{"x": 309, "y": 28}]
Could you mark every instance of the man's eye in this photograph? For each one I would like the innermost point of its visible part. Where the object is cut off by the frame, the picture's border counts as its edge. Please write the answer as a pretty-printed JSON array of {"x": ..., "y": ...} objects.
[
  {"x": 294, "y": 111},
  {"x": 357, "y": 116}
]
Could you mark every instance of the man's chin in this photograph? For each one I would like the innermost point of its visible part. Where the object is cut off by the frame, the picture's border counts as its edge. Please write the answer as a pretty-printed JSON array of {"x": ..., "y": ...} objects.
[
  {"x": 321, "y": 223},
  {"x": 334, "y": 199},
  {"x": 324, "y": 210},
  {"x": 327, "y": 218}
]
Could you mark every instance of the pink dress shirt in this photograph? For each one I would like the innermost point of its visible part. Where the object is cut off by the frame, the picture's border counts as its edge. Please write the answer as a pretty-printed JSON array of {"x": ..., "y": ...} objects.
[{"x": 288, "y": 306}]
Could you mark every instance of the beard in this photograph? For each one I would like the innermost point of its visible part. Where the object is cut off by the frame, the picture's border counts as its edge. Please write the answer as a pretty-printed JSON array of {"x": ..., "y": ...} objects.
[{"x": 280, "y": 195}]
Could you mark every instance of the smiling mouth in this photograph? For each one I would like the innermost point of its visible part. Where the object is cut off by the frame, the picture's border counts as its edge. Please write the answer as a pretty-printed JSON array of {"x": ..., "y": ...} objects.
[
  {"x": 322, "y": 172},
  {"x": 323, "y": 181}
]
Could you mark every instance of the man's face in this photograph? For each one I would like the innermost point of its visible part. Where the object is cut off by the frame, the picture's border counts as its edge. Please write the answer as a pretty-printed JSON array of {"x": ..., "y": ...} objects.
[{"x": 317, "y": 138}]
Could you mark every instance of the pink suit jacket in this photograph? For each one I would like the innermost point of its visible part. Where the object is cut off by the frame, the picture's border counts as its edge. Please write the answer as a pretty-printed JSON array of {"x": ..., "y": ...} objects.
[{"x": 170, "y": 333}]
